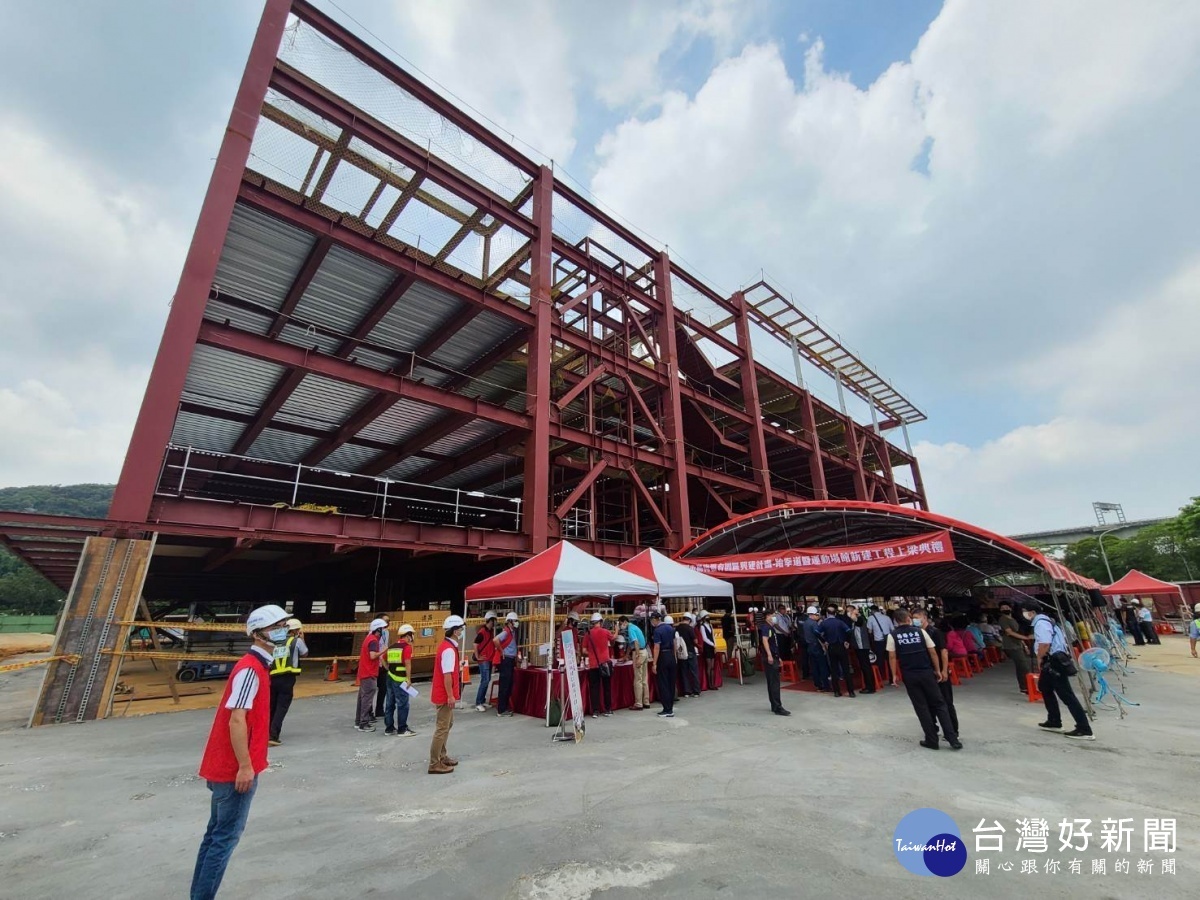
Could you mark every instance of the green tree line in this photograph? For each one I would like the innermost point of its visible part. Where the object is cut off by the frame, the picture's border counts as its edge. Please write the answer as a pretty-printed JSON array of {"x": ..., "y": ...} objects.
[
  {"x": 1169, "y": 550},
  {"x": 22, "y": 590}
]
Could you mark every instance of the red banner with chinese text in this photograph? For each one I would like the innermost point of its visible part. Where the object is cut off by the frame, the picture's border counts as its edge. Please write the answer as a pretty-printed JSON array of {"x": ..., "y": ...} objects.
[{"x": 921, "y": 549}]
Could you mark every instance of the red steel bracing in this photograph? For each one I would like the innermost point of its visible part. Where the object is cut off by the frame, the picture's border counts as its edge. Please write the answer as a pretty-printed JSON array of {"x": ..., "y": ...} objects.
[{"x": 603, "y": 416}]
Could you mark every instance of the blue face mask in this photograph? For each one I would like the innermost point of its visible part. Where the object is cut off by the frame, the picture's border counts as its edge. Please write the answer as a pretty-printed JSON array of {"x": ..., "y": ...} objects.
[{"x": 278, "y": 635}]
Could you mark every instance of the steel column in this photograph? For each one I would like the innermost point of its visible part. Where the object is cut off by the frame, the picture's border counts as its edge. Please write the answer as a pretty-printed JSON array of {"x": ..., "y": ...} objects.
[
  {"x": 156, "y": 418},
  {"x": 536, "y": 502}
]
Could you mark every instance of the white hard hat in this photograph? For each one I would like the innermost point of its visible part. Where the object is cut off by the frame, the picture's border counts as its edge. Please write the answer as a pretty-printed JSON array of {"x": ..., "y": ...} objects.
[
  {"x": 596, "y": 617},
  {"x": 573, "y": 616},
  {"x": 376, "y": 624},
  {"x": 405, "y": 629},
  {"x": 691, "y": 616},
  {"x": 704, "y": 613},
  {"x": 511, "y": 617},
  {"x": 669, "y": 621},
  {"x": 295, "y": 624},
  {"x": 813, "y": 611},
  {"x": 1196, "y": 608},
  {"x": 264, "y": 617},
  {"x": 453, "y": 622},
  {"x": 488, "y": 615}
]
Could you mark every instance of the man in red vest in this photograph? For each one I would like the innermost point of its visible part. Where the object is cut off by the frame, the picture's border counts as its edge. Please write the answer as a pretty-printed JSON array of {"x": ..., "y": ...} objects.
[
  {"x": 373, "y": 647},
  {"x": 237, "y": 747},
  {"x": 445, "y": 692}
]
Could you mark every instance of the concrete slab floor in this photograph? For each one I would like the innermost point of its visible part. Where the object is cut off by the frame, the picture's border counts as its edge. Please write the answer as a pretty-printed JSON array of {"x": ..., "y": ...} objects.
[{"x": 726, "y": 800}]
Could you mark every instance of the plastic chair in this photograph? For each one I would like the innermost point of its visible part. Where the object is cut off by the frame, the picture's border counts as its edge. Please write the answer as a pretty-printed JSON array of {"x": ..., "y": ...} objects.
[
  {"x": 974, "y": 663},
  {"x": 961, "y": 667},
  {"x": 787, "y": 671}
]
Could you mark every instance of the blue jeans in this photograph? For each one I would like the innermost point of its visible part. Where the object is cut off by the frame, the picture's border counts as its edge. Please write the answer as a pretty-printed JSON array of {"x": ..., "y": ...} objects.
[
  {"x": 225, "y": 824},
  {"x": 485, "y": 680},
  {"x": 395, "y": 706}
]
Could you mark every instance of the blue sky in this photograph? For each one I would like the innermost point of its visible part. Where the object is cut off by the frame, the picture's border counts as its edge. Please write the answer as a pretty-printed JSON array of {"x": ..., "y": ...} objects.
[{"x": 992, "y": 201}]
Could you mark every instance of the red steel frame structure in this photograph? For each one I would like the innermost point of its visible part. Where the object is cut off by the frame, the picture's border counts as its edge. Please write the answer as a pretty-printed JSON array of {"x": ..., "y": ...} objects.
[{"x": 380, "y": 288}]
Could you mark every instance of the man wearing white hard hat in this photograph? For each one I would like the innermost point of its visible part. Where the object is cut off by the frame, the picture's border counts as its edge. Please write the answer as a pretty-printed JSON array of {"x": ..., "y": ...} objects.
[
  {"x": 283, "y": 678},
  {"x": 372, "y": 648},
  {"x": 237, "y": 747},
  {"x": 445, "y": 692},
  {"x": 507, "y": 645},
  {"x": 597, "y": 654}
]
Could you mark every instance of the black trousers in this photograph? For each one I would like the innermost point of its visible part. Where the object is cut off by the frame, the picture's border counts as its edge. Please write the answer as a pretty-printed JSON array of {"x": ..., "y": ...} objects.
[
  {"x": 1149, "y": 633},
  {"x": 1050, "y": 683},
  {"x": 929, "y": 704},
  {"x": 1135, "y": 631},
  {"x": 710, "y": 667},
  {"x": 664, "y": 681},
  {"x": 880, "y": 648},
  {"x": 771, "y": 671},
  {"x": 504, "y": 693},
  {"x": 868, "y": 670},
  {"x": 597, "y": 682},
  {"x": 839, "y": 667},
  {"x": 948, "y": 695},
  {"x": 381, "y": 693},
  {"x": 802, "y": 660},
  {"x": 282, "y": 687}
]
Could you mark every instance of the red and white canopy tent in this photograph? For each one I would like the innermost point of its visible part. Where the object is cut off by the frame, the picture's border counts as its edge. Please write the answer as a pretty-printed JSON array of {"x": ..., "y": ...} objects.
[
  {"x": 561, "y": 571},
  {"x": 1139, "y": 584},
  {"x": 675, "y": 579},
  {"x": 678, "y": 580}
]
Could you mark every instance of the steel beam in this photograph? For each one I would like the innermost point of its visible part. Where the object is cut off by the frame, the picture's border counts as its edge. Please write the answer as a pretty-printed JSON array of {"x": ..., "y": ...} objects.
[
  {"x": 758, "y": 442},
  {"x": 311, "y": 361},
  {"x": 156, "y": 418},
  {"x": 300, "y": 284}
]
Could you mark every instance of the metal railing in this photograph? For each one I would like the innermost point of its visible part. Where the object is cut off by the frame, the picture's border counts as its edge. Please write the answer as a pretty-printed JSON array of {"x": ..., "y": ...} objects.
[{"x": 226, "y": 477}]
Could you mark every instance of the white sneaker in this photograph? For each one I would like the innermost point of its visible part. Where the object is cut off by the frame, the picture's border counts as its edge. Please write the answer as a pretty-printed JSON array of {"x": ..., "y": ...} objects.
[{"x": 479, "y": 707}]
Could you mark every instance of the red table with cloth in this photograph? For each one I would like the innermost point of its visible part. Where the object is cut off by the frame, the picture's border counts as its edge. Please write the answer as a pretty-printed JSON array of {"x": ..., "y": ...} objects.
[{"x": 529, "y": 688}]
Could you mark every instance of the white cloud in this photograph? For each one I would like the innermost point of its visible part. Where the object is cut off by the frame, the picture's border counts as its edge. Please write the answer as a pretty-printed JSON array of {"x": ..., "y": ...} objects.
[
  {"x": 1052, "y": 220},
  {"x": 1124, "y": 431},
  {"x": 75, "y": 432},
  {"x": 87, "y": 266},
  {"x": 529, "y": 64}
]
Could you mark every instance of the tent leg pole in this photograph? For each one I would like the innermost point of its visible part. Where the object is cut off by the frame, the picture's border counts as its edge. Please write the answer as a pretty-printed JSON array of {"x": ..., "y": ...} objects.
[{"x": 550, "y": 663}]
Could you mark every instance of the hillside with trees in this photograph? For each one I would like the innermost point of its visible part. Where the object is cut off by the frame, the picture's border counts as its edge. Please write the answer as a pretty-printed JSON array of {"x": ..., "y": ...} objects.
[{"x": 22, "y": 590}]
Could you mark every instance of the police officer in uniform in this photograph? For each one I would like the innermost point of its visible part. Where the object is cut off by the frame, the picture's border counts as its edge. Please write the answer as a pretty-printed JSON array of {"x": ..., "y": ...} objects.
[
  {"x": 912, "y": 649},
  {"x": 768, "y": 641}
]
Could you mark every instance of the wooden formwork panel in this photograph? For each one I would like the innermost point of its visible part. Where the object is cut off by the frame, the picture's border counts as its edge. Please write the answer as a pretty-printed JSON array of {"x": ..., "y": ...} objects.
[{"x": 108, "y": 583}]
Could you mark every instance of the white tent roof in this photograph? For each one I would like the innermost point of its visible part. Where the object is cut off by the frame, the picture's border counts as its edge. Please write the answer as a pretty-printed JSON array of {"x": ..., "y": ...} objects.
[
  {"x": 561, "y": 571},
  {"x": 675, "y": 579}
]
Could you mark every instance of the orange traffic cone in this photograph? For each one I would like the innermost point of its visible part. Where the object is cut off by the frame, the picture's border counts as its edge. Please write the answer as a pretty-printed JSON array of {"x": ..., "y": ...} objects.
[
  {"x": 466, "y": 672},
  {"x": 331, "y": 671}
]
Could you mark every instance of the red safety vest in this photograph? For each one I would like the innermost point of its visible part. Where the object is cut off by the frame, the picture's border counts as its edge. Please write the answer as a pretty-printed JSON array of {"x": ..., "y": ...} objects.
[
  {"x": 219, "y": 762},
  {"x": 367, "y": 667},
  {"x": 438, "y": 694},
  {"x": 507, "y": 636},
  {"x": 485, "y": 650}
]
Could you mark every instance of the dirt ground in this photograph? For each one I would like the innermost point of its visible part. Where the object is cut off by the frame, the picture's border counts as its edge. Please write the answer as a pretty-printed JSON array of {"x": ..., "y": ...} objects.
[{"x": 16, "y": 644}]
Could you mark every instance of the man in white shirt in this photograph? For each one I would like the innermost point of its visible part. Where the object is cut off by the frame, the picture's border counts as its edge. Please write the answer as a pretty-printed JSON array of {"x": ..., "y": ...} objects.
[
  {"x": 1049, "y": 641},
  {"x": 880, "y": 625}
]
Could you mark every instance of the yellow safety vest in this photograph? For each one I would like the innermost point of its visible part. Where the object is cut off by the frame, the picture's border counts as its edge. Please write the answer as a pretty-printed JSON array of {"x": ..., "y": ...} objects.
[
  {"x": 283, "y": 665},
  {"x": 395, "y": 663}
]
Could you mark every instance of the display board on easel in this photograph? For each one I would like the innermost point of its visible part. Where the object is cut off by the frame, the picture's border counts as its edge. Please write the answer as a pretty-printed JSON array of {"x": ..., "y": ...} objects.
[{"x": 574, "y": 695}]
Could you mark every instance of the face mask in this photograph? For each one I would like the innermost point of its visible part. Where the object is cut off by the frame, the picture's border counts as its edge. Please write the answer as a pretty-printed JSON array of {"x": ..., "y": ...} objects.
[
  {"x": 1029, "y": 616},
  {"x": 278, "y": 635}
]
